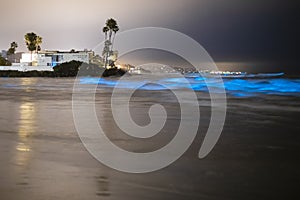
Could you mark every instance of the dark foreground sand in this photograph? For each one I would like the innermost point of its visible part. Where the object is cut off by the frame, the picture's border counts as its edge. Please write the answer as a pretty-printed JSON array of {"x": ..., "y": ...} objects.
[{"x": 41, "y": 156}]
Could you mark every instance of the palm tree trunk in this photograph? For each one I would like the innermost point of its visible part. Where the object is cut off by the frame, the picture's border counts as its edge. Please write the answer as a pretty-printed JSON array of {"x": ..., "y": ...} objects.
[
  {"x": 113, "y": 40},
  {"x": 110, "y": 34},
  {"x": 107, "y": 53}
]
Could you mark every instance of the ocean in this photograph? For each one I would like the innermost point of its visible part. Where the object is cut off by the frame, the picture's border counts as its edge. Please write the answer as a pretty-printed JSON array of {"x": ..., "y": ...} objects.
[{"x": 256, "y": 156}]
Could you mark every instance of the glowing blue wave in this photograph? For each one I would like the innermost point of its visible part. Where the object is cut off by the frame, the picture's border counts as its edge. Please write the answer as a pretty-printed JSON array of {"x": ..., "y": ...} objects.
[{"x": 238, "y": 87}]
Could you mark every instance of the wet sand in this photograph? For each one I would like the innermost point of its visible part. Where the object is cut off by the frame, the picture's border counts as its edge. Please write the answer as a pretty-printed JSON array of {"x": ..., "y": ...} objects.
[{"x": 42, "y": 157}]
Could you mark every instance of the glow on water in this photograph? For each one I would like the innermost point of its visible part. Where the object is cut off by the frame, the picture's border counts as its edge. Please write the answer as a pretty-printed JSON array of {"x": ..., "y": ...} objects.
[{"x": 238, "y": 87}]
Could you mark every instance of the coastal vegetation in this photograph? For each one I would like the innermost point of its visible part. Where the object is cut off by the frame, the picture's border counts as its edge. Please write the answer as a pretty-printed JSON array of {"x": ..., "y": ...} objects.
[
  {"x": 71, "y": 69},
  {"x": 4, "y": 62}
]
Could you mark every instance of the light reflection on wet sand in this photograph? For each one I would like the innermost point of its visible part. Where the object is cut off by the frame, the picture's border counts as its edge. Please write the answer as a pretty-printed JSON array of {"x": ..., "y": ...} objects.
[
  {"x": 25, "y": 131},
  {"x": 27, "y": 126}
]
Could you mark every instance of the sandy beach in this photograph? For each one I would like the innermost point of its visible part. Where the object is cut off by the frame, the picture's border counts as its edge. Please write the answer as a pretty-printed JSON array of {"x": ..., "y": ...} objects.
[{"x": 42, "y": 157}]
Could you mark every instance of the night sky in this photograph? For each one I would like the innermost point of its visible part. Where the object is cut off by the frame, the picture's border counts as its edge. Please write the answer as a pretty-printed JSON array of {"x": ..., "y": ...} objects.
[{"x": 263, "y": 34}]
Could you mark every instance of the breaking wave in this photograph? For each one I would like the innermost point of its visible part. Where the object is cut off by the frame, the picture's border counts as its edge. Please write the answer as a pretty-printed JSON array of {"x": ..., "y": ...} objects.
[{"x": 239, "y": 86}]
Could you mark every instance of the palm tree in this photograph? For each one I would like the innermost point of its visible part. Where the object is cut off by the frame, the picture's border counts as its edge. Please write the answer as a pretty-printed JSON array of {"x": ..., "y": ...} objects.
[
  {"x": 14, "y": 45},
  {"x": 30, "y": 39},
  {"x": 110, "y": 28},
  {"x": 38, "y": 42},
  {"x": 33, "y": 42},
  {"x": 113, "y": 28},
  {"x": 12, "y": 49}
]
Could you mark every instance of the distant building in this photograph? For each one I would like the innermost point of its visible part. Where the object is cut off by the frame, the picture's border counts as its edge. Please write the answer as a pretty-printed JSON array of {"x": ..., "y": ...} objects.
[
  {"x": 15, "y": 58},
  {"x": 53, "y": 58},
  {"x": 4, "y": 54}
]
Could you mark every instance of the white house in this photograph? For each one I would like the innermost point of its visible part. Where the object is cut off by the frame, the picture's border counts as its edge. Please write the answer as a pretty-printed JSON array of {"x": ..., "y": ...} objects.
[{"x": 53, "y": 58}]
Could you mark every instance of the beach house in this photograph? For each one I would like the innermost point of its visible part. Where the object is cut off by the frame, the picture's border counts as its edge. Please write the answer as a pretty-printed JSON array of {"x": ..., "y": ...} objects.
[{"x": 53, "y": 58}]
